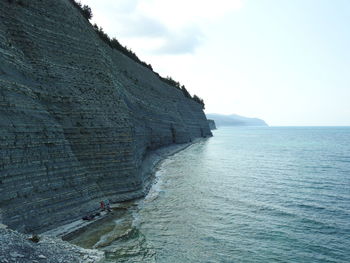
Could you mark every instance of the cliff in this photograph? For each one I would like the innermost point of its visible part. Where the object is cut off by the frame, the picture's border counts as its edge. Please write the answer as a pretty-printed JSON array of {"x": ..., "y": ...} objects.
[
  {"x": 77, "y": 118},
  {"x": 235, "y": 120},
  {"x": 212, "y": 124}
]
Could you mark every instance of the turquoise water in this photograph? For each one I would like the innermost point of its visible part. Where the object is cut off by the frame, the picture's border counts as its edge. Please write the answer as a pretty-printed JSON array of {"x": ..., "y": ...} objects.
[{"x": 247, "y": 195}]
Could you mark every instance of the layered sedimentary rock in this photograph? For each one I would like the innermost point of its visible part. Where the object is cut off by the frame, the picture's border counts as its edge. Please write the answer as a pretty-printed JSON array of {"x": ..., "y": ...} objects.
[
  {"x": 76, "y": 117},
  {"x": 211, "y": 124}
]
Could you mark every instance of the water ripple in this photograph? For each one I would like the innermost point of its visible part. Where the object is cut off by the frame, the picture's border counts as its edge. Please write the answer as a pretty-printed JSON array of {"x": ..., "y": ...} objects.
[{"x": 248, "y": 195}]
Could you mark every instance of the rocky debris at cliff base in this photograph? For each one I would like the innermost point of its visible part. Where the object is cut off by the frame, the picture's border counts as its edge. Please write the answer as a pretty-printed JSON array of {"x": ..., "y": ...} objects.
[{"x": 16, "y": 247}]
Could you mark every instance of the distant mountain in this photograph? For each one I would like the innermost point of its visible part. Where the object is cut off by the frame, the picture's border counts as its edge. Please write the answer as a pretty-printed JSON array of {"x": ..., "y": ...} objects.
[{"x": 235, "y": 120}]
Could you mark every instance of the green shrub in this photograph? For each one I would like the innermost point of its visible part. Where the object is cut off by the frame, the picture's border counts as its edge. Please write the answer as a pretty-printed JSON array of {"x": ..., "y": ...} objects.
[
  {"x": 35, "y": 238},
  {"x": 114, "y": 43},
  {"x": 199, "y": 100},
  {"x": 85, "y": 10},
  {"x": 185, "y": 92}
]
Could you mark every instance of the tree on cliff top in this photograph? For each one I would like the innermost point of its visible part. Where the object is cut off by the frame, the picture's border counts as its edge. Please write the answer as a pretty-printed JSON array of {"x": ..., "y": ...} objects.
[
  {"x": 85, "y": 10},
  {"x": 185, "y": 92},
  {"x": 198, "y": 100}
]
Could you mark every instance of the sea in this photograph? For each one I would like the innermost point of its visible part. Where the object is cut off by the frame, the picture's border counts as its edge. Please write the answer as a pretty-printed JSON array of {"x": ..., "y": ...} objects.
[{"x": 248, "y": 194}]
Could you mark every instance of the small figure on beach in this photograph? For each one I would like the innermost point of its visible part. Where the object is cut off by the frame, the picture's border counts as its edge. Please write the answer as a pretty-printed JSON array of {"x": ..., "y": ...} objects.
[{"x": 102, "y": 205}]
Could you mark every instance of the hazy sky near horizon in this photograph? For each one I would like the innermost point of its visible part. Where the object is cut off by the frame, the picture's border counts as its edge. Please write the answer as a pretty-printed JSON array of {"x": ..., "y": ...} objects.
[{"x": 285, "y": 61}]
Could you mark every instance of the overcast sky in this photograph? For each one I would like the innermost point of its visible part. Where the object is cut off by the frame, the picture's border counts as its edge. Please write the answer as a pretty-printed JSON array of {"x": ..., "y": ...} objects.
[{"x": 285, "y": 61}]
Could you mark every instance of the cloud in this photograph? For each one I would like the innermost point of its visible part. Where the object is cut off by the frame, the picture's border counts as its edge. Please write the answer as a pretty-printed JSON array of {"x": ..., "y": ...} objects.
[
  {"x": 142, "y": 26},
  {"x": 124, "y": 6},
  {"x": 180, "y": 12},
  {"x": 184, "y": 42},
  {"x": 170, "y": 41},
  {"x": 163, "y": 26},
  {"x": 112, "y": 6}
]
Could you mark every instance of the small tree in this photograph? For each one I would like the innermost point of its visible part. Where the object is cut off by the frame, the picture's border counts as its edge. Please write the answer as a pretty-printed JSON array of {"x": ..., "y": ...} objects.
[
  {"x": 86, "y": 11},
  {"x": 199, "y": 100},
  {"x": 185, "y": 92}
]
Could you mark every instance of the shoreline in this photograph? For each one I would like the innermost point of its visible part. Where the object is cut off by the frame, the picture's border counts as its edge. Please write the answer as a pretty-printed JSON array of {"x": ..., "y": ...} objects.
[
  {"x": 148, "y": 169},
  {"x": 68, "y": 232},
  {"x": 54, "y": 245}
]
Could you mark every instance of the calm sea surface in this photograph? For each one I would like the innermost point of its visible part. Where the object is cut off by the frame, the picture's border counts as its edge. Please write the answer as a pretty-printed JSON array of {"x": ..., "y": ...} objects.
[{"x": 246, "y": 195}]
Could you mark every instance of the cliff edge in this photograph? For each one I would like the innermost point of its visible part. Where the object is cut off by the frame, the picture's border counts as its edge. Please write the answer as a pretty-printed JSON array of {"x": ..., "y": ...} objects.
[
  {"x": 77, "y": 118},
  {"x": 212, "y": 124}
]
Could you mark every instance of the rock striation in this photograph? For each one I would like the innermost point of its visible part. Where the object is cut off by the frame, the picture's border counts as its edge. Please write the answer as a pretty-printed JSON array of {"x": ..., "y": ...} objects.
[
  {"x": 77, "y": 118},
  {"x": 212, "y": 124}
]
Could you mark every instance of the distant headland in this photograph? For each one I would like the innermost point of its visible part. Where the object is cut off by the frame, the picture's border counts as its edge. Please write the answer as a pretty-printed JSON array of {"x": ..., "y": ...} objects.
[{"x": 235, "y": 120}]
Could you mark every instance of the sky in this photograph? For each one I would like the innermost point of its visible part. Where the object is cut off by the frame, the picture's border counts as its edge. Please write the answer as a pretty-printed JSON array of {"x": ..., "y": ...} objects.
[{"x": 285, "y": 61}]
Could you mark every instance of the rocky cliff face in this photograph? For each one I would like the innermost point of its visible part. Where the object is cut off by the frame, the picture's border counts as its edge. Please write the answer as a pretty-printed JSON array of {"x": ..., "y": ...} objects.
[
  {"x": 76, "y": 117},
  {"x": 211, "y": 124}
]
